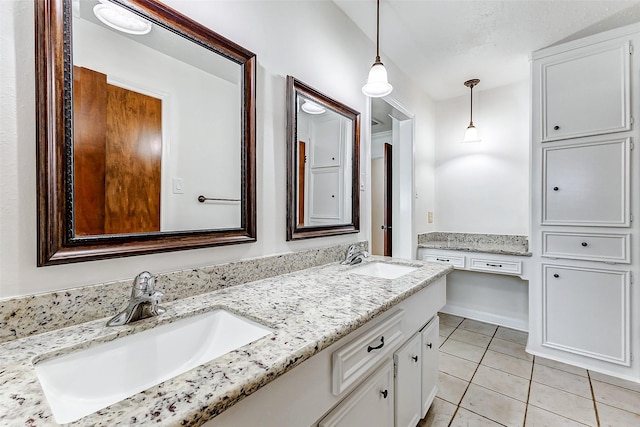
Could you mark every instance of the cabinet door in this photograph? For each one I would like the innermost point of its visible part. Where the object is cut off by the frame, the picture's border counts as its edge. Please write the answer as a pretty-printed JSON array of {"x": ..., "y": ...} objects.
[
  {"x": 408, "y": 382},
  {"x": 587, "y": 312},
  {"x": 430, "y": 361},
  {"x": 369, "y": 405},
  {"x": 325, "y": 196},
  {"x": 586, "y": 184},
  {"x": 586, "y": 92},
  {"x": 326, "y": 141}
]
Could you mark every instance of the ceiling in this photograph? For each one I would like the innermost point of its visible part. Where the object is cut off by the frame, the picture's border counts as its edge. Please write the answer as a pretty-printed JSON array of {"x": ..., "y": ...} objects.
[{"x": 441, "y": 43}]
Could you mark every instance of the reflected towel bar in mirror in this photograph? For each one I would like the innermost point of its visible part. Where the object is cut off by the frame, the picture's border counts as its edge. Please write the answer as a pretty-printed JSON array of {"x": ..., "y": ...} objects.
[{"x": 203, "y": 199}]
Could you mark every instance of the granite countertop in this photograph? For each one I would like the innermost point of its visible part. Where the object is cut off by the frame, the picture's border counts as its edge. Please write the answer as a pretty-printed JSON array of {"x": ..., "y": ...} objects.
[
  {"x": 486, "y": 243},
  {"x": 308, "y": 310}
]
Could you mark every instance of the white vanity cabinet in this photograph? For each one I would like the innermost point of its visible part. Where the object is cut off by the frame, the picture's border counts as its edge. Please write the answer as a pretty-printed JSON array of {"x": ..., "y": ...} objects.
[
  {"x": 583, "y": 184},
  {"x": 585, "y": 91}
]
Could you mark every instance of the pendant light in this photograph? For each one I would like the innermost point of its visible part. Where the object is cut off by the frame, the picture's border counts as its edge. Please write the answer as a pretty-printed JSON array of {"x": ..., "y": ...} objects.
[
  {"x": 377, "y": 84},
  {"x": 471, "y": 134}
]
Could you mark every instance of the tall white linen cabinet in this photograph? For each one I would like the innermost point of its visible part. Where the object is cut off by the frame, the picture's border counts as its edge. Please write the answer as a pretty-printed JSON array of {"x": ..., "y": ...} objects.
[{"x": 584, "y": 307}]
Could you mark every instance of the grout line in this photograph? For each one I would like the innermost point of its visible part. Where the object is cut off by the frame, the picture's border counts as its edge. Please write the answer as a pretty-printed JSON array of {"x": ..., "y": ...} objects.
[{"x": 526, "y": 408}]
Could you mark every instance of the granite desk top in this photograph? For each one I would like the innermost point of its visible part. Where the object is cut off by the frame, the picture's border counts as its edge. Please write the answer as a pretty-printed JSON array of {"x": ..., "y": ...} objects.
[
  {"x": 486, "y": 243},
  {"x": 308, "y": 310}
]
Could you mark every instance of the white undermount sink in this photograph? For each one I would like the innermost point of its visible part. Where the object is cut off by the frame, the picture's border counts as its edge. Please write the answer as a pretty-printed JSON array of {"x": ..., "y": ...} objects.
[
  {"x": 384, "y": 270},
  {"x": 85, "y": 381}
]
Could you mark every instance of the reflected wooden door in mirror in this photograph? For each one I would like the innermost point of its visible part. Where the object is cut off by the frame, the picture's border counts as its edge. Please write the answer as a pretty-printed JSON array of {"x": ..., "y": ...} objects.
[
  {"x": 146, "y": 132},
  {"x": 322, "y": 164}
]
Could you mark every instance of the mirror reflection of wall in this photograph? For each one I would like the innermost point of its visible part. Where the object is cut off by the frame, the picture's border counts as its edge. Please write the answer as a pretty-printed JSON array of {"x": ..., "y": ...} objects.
[
  {"x": 324, "y": 165},
  {"x": 134, "y": 178}
]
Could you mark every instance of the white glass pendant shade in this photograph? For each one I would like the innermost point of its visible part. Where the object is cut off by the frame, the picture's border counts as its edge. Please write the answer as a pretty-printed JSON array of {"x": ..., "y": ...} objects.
[
  {"x": 471, "y": 134},
  {"x": 377, "y": 84},
  {"x": 121, "y": 19}
]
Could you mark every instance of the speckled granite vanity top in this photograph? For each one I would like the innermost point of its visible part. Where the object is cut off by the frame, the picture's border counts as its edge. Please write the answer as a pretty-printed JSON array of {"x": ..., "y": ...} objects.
[
  {"x": 308, "y": 310},
  {"x": 487, "y": 243}
]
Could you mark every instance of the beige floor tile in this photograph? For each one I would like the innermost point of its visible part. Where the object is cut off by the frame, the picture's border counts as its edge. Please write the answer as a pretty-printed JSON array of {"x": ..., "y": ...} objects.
[
  {"x": 469, "y": 337},
  {"x": 562, "y": 380},
  {"x": 450, "y": 319},
  {"x": 506, "y": 363},
  {"x": 462, "y": 349},
  {"x": 446, "y": 330},
  {"x": 479, "y": 327},
  {"x": 537, "y": 417},
  {"x": 466, "y": 418},
  {"x": 615, "y": 381},
  {"x": 456, "y": 366},
  {"x": 512, "y": 335},
  {"x": 614, "y": 417},
  {"x": 562, "y": 366},
  {"x": 451, "y": 388},
  {"x": 502, "y": 382},
  {"x": 494, "y": 406},
  {"x": 439, "y": 415},
  {"x": 510, "y": 348},
  {"x": 615, "y": 396},
  {"x": 562, "y": 403}
]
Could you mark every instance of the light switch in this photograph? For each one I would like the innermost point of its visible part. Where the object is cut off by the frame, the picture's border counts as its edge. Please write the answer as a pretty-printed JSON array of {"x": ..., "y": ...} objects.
[
  {"x": 430, "y": 217},
  {"x": 178, "y": 186}
]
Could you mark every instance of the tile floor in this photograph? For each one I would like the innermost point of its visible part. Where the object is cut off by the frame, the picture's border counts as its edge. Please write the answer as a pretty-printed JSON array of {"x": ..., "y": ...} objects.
[{"x": 487, "y": 379}]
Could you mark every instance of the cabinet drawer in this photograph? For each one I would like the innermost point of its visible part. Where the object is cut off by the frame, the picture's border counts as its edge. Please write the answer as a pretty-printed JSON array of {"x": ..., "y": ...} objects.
[
  {"x": 353, "y": 360},
  {"x": 496, "y": 266},
  {"x": 456, "y": 261},
  {"x": 587, "y": 246}
]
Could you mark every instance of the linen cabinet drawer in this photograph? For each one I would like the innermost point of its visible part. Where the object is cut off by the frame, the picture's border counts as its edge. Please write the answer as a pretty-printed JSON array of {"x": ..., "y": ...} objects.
[
  {"x": 352, "y": 361},
  {"x": 496, "y": 266},
  {"x": 587, "y": 246},
  {"x": 456, "y": 261}
]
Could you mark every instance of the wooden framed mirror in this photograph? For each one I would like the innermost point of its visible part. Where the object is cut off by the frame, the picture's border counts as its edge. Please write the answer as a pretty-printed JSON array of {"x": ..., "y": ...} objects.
[
  {"x": 323, "y": 157},
  {"x": 146, "y": 132}
]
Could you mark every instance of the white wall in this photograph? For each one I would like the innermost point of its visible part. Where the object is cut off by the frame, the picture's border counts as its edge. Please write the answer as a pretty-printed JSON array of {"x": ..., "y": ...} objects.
[
  {"x": 484, "y": 187},
  {"x": 311, "y": 40}
]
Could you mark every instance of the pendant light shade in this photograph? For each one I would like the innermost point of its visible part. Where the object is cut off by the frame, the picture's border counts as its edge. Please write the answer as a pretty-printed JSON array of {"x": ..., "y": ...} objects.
[
  {"x": 377, "y": 84},
  {"x": 471, "y": 134}
]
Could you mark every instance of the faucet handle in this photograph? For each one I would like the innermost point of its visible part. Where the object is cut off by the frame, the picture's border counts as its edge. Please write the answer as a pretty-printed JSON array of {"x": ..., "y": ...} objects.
[{"x": 143, "y": 283}]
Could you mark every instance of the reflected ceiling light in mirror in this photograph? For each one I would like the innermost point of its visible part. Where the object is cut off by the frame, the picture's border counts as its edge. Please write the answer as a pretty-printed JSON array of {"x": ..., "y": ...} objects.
[
  {"x": 377, "y": 84},
  {"x": 121, "y": 19},
  {"x": 471, "y": 134},
  {"x": 312, "y": 108}
]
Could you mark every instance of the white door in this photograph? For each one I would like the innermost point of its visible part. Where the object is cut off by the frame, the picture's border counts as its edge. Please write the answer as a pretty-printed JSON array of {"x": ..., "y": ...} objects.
[
  {"x": 430, "y": 360},
  {"x": 408, "y": 382}
]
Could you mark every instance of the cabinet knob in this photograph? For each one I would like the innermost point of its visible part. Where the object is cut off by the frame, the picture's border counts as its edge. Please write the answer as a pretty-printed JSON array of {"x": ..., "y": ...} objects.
[
  {"x": 585, "y": 244},
  {"x": 415, "y": 358},
  {"x": 555, "y": 188},
  {"x": 384, "y": 393},
  {"x": 429, "y": 345},
  {"x": 556, "y": 127},
  {"x": 556, "y": 275},
  {"x": 333, "y": 196}
]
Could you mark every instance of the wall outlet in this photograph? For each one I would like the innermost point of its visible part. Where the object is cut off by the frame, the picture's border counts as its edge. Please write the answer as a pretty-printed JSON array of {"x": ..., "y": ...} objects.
[{"x": 430, "y": 217}]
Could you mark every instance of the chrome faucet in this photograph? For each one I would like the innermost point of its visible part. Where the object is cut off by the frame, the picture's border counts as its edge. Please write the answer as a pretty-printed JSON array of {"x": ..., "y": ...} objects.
[
  {"x": 355, "y": 254},
  {"x": 143, "y": 303}
]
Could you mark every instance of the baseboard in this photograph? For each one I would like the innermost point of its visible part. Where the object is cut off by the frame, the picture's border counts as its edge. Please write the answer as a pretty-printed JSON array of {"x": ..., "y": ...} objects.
[{"x": 482, "y": 316}]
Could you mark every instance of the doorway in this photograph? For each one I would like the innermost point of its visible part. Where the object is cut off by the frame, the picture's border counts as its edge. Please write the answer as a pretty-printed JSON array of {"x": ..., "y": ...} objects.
[{"x": 392, "y": 187}]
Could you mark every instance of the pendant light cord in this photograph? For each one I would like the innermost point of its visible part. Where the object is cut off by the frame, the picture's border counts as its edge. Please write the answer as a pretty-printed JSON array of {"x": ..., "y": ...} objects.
[
  {"x": 471, "y": 108},
  {"x": 378, "y": 32}
]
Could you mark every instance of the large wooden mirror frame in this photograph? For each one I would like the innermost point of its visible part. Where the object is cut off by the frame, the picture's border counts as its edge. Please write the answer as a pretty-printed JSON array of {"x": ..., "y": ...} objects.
[
  {"x": 57, "y": 241},
  {"x": 336, "y": 173}
]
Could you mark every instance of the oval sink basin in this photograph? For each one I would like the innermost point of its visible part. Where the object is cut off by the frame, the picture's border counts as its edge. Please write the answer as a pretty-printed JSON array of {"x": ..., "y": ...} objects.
[
  {"x": 383, "y": 270},
  {"x": 85, "y": 381}
]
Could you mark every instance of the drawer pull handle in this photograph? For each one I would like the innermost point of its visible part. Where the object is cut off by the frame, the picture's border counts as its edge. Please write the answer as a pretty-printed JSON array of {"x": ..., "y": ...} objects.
[
  {"x": 584, "y": 244},
  {"x": 415, "y": 358},
  {"x": 555, "y": 188},
  {"x": 556, "y": 127},
  {"x": 429, "y": 345},
  {"x": 384, "y": 393},
  {"x": 378, "y": 347},
  {"x": 556, "y": 275},
  {"x": 494, "y": 265},
  {"x": 442, "y": 259}
]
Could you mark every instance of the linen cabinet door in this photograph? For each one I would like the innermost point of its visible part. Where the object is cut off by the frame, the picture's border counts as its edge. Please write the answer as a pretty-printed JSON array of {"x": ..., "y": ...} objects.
[
  {"x": 586, "y": 91},
  {"x": 408, "y": 366},
  {"x": 369, "y": 405},
  {"x": 586, "y": 184},
  {"x": 430, "y": 363},
  {"x": 587, "y": 311}
]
